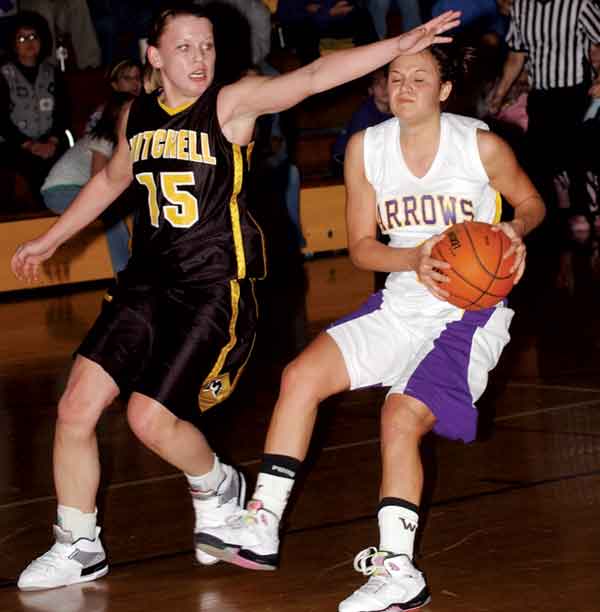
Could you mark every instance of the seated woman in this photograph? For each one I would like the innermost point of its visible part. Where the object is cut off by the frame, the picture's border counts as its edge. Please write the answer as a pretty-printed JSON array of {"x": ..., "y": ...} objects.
[
  {"x": 75, "y": 168},
  {"x": 33, "y": 103}
]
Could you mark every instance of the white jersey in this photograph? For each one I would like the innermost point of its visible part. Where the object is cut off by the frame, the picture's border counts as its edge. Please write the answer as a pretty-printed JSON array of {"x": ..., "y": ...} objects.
[
  {"x": 410, "y": 209},
  {"x": 403, "y": 337}
]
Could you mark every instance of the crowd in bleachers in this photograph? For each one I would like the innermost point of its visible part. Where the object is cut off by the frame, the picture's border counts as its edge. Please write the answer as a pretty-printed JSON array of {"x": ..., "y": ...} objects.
[{"x": 61, "y": 59}]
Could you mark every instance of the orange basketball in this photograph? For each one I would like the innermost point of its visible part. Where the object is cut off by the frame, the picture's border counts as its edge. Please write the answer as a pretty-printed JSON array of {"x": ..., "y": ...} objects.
[{"x": 479, "y": 277}]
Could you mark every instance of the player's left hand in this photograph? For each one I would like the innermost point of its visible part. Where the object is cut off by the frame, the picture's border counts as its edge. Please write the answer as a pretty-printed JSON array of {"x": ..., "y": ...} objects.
[
  {"x": 417, "y": 39},
  {"x": 517, "y": 247}
]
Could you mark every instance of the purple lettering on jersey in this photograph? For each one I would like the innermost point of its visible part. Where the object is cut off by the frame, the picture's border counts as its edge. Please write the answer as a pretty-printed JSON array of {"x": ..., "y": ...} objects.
[
  {"x": 391, "y": 209},
  {"x": 428, "y": 213},
  {"x": 410, "y": 208},
  {"x": 467, "y": 209},
  {"x": 448, "y": 208}
]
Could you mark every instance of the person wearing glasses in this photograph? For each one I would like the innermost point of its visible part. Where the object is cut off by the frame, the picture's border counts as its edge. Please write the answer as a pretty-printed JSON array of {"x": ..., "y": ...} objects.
[{"x": 33, "y": 103}]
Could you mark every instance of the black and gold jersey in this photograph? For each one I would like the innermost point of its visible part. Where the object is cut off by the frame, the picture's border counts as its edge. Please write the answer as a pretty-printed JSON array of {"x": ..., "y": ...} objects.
[{"x": 192, "y": 224}]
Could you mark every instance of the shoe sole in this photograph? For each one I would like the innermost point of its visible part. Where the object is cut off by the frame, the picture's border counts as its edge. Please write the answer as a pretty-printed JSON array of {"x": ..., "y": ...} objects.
[
  {"x": 413, "y": 605},
  {"x": 241, "y": 502},
  {"x": 234, "y": 555},
  {"x": 88, "y": 578}
]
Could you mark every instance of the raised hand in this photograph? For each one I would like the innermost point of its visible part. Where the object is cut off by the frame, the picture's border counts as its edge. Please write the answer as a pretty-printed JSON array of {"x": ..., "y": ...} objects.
[
  {"x": 26, "y": 261},
  {"x": 428, "y": 34}
]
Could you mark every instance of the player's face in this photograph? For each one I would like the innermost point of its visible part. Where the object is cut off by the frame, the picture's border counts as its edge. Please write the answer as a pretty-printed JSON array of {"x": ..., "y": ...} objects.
[
  {"x": 129, "y": 81},
  {"x": 27, "y": 46},
  {"x": 186, "y": 58},
  {"x": 415, "y": 88}
]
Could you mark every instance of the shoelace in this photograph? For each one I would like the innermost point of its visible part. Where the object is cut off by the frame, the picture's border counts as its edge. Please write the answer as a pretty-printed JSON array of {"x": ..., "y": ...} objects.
[
  {"x": 365, "y": 562},
  {"x": 369, "y": 562}
]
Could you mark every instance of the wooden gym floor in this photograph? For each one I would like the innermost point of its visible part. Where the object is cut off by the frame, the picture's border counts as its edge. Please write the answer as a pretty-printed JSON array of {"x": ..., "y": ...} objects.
[{"x": 512, "y": 520}]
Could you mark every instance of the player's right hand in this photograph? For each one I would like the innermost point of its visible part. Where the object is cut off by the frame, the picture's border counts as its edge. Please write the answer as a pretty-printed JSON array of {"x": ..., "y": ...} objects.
[
  {"x": 430, "y": 271},
  {"x": 26, "y": 261}
]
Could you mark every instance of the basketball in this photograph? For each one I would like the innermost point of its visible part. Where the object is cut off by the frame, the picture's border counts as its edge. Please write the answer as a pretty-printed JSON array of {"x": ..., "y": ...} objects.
[{"x": 479, "y": 277}]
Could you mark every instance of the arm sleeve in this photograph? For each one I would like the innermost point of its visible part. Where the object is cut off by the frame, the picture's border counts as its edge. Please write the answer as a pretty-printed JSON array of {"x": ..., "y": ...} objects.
[
  {"x": 590, "y": 20},
  {"x": 8, "y": 130}
]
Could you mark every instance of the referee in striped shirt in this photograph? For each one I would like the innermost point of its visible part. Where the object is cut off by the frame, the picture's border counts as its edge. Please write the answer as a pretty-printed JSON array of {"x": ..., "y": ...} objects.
[{"x": 553, "y": 39}]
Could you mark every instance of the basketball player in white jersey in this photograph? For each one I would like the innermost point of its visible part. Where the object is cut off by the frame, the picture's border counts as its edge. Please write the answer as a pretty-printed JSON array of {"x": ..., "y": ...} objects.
[{"x": 414, "y": 176}]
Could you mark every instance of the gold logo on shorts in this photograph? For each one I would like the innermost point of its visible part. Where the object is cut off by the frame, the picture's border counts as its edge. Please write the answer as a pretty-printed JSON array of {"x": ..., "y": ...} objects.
[{"x": 214, "y": 391}]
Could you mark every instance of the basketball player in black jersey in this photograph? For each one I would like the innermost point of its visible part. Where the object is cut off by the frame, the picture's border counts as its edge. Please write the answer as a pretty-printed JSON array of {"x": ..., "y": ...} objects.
[{"x": 180, "y": 325}]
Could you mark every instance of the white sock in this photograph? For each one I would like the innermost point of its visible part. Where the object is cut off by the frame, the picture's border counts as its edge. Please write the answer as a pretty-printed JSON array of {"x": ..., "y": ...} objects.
[
  {"x": 273, "y": 492},
  {"x": 397, "y": 529},
  {"x": 207, "y": 482},
  {"x": 80, "y": 524}
]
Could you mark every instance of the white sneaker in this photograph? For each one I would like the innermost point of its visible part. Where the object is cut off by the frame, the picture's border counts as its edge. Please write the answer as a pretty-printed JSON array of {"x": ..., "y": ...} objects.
[
  {"x": 249, "y": 539},
  {"x": 214, "y": 508},
  {"x": 394, "y": 583},
  {"x": 67, "y": 562}
]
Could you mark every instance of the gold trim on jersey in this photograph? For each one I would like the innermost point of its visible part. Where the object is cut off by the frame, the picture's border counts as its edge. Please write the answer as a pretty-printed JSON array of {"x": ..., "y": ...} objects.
[
  {"x": 253, "y": 287},
  {"x": 249, "y": 151},
  {"x": 263, "y": 245},
  {"x": 174, "y": 110},
  {"x": 235, "y": 300},
  {"x": 498, "y": 213},
  {"x": 238, "y": 241},
  {"x": 217, "y": 386},
  {"x": 241, "y": 369}
]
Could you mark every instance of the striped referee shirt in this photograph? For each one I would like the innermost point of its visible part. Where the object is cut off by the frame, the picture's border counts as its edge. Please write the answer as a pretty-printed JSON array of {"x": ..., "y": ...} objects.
[{"x": 556, "y": 35}]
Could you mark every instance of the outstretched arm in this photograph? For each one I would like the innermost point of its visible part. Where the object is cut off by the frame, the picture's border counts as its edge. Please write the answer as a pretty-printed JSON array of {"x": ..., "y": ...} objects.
[
  {"x": 254, "y": 96},
  {"x": 92, "y": 200}
]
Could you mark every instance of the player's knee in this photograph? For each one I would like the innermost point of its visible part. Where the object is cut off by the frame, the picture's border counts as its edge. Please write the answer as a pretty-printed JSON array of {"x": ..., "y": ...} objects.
[
  {"x": 78, "y": 411},
  {"x": 407, "y": 418},
  {"x": 300, "y": 376},
  {"x": 147, "y": 425}
]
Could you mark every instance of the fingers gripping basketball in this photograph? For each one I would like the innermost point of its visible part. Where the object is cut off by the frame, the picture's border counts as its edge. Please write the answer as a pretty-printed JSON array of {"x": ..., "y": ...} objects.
[{"x": 479, "y": 275}]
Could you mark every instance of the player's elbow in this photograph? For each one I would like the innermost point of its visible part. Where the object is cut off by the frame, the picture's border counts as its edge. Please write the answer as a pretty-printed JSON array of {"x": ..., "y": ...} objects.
[{"x": 358, "y": 254}]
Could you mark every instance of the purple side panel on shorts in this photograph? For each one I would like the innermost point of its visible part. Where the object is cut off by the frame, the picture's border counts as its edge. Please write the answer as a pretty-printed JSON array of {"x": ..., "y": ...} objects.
[
  {"x": 441, "y": 379},
  {"x": 372, "y": 304}
]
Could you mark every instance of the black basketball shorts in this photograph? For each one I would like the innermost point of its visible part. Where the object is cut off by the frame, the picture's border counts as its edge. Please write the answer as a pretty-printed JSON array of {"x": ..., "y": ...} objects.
[{"x": 184, "y": 347}]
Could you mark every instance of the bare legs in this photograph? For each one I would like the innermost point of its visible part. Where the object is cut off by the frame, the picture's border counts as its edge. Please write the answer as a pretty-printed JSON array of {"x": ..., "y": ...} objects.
[{"x": 90, "y": 390}]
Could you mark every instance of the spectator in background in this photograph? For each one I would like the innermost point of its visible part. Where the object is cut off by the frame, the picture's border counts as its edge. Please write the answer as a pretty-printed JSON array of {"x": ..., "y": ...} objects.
[
  {"x": 409, "y": 10},
  {"x": 33, "y": 102},
  {"x": 259, "y": 19},
  {"x": 374, "y": 110},
  {"x": 586, "y": 180},
  {"x": 120, "y": 25},
  {"x": 124, "y": 76},
  {"x": 306, "y": 22},
  {"x": 553, "y": 37},
  {"x": 75, "y": 168},
  {"x": 484, "y": 16},
  {"x": 70, "y": 18}
]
